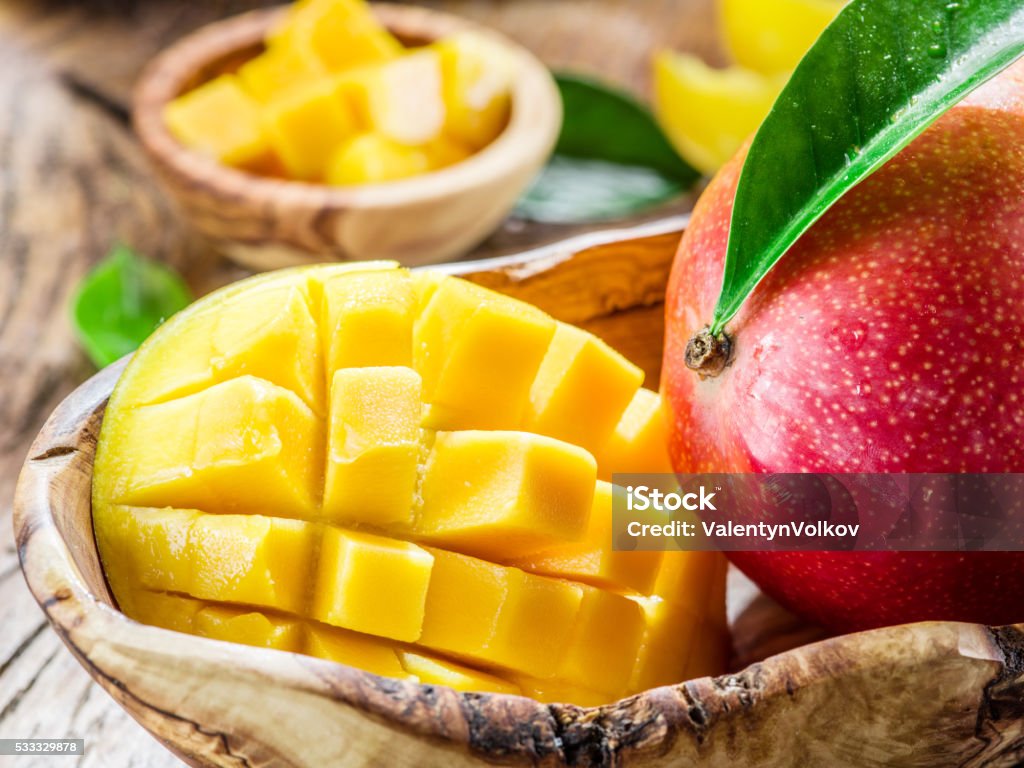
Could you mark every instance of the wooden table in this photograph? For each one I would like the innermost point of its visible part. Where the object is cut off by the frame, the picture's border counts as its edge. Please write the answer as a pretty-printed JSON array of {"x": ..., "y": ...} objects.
[{"x": 73, "y": 181}]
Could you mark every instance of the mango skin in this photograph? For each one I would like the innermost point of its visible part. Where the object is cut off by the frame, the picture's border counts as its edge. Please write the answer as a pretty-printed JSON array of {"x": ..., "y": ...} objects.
[{"x": 216, "y": 511}]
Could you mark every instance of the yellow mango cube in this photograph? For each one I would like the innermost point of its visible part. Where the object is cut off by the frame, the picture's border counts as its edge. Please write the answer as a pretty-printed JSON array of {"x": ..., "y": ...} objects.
[
  {"x": 592, "y": 559},
  {"x": 498, "y": 494},
  {"x": 221, "y": 120},
  {"x": 471, "y": 380},
  {"x": 581, "y": 390},
  {"x": 371, "y": 158},
  {"x": 639, "y": 443},
  {"x": 602, "y": 648},
  {"x": 354, "y": 650},
  {"x": 342, "y": 34},
  {"x": 367, "y": 319},
  {"x": 305, "y": 126},
  {"x": 500, "y": 616},
  {"x": 478, "y": 75},
  {"x": 401, "y": 100},
  {"x": 773, "y": 37},
  {"x": 242, "y": 445},
  {"x": 162, "y": 610},
  {"x": 372, "y": 584},
  {"x": 463, "y": 602},
  {"x": 254, "y": 560},
  {"x": 248, "y": 627},
  {"x": 373, "y": 445},
  {"x": 279, "y": 69},
  {"x": 434, "y": 671}
]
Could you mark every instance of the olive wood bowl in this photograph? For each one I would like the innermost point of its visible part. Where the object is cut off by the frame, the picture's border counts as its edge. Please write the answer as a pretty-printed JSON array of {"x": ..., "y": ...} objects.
[
  {"x": 931, "y": 694},
  {"x": 265, "y": 223}
]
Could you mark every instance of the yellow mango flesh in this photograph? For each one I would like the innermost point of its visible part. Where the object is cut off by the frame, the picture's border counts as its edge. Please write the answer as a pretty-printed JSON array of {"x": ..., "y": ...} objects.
[
  {"x": 278, "y": 69},
  {"x": 341, "y": 33},
  {"x": 373, "y": 446},
  {"x": 477, "y": 82},
  {"x": 220, "y": 119},
  {"x": 372, "y": 158},
  {"x": 591, "y": 560},
  {"x": 469, "y": 381},
  {"x": 771, "y": 36},
  {"x": 307, "y": 124},
  {"x": 494, "y": 493},
  {"x": 708, "y": 113},
  {"x": 334, "y": 98},
  {"x": 639, "y": 443},
  {"x": 319, "y": 461},
  {"x": 434, "y": 671},
  {"x": 372, "y": 584},
  {"x": 581, "y": 390}
]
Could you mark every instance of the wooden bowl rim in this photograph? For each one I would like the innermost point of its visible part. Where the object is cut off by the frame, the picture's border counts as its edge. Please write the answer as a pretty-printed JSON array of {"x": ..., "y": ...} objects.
[
  {"x": 530, "y": 134},
  {"x": 502, "y": 727}
]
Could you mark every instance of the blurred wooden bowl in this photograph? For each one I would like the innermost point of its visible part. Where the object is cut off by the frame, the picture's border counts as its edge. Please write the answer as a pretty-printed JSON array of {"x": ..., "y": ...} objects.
[
  {"x": 929, "y": 695},
  {"x": 265, "y": 223}
]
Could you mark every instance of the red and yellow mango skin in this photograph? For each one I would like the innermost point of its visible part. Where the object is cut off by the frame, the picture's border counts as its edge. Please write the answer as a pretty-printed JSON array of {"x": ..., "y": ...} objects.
[{"x": 890, "y": 338}]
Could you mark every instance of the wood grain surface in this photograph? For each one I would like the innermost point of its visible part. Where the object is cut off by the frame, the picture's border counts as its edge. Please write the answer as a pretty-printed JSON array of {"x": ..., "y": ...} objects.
[{"x": 73, "y": 181}]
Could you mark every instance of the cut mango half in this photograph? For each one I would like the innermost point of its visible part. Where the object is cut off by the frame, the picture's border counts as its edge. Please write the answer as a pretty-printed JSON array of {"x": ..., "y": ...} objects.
[{"x": 388, "y": 469}]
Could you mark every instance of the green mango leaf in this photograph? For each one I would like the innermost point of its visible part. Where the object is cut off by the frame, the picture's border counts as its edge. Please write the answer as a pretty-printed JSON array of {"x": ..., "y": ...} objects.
[
  {"x": 880, "y": 74},
  {"x": 611, "y": 160},
  {"x": 121, "y": 301}
]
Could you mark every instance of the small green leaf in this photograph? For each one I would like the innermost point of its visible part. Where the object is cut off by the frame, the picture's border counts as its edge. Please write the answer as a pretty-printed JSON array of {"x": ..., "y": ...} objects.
[
  {"x": 611, "y": 160},
  {"x": 880, "y": 74},
  {"x": 121, "y": 301}
]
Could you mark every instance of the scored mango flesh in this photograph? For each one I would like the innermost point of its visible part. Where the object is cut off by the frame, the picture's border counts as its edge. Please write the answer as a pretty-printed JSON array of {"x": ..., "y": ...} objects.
[
  {"x": 335, "y": 98},
  {"x": 388, "y": 469}
]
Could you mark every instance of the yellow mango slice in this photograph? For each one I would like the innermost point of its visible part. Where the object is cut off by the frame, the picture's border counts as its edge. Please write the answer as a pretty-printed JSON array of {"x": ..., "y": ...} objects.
[
  {"x": 354, "y": 650},
  {"x": 498, "y": 494},
  {"x": 708, "y": 113},
  {"x": 500, "y": 616},
  {"x": 146, "y": 548},
  {"x": 434, "y": 671},
  {"x": 581, "y": 390},
  {"x": 639, "y": 443},
  {"x": 244, "y": 444},
  {"x": 592, "y": 560},
  {"x": 305, "y": 125},
  {"x": 372, "y": 584},
  {"x": 601, "y": 650},
  {"x": 469, "y": 380},
  {"x": 268, "y": 331},
  {"x": 681, "y": 615},
  {"x": 367, "y": 320},
  {"x": 159, "y": 609},
  {"x": 242, "y": 625},
  {"x": 342, "y": 33},
  {"x": 221, "y": 120},
  {"x": 373, "y": 445},
  {"x": 771, "y": 36},
  {"x": 478, "y": 76},
  {"x": 252, "y": 559},
  {"x": 372, "y": 158},
  {"x": 278, "y": 70},
  {"x": 401, "y": 100}
]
